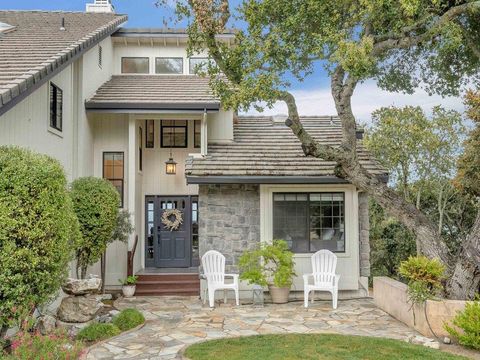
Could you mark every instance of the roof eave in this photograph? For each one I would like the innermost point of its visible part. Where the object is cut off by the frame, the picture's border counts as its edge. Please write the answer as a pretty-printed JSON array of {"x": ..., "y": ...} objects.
[
  {"x": 130, "y": 107},
  {"x": 34, "y": 80}
]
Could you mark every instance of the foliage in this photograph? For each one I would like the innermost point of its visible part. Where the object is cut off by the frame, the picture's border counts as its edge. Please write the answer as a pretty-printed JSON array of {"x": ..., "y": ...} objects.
[
  {"x": 312, "y": 346},
  {"x": 56, "y": 346},
  {"x": 413, "y": 146},
  {"x": 96, "y": 204},
  {"x": 469, "y": 163},
  {"x": 123, "y": 227},
  {"x": 268, "y": 264},
  {"x": 97, "y": 332},
  {"x": 129, "y": 280},
  {"x": 468, "y": 321},
  {"x": 390, "y": 242},
  {"x": 128, "y": 319},
  {"x": 38, "y": 229},
  {"x": 424, "y": 277}
]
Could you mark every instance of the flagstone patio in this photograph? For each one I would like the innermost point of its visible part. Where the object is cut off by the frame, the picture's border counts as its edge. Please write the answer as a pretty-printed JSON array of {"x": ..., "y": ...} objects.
[{"x": 175, "y": 322}]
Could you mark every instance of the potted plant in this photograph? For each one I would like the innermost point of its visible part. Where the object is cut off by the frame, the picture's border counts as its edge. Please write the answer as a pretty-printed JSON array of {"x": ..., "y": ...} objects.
[
  {"x": 129, "y": 285},
  {"x": 270, "y": 265}
]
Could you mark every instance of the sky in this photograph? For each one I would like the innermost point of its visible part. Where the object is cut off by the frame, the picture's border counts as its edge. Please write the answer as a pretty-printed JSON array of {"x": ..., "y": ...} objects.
[{"x": 313, "y": 95}]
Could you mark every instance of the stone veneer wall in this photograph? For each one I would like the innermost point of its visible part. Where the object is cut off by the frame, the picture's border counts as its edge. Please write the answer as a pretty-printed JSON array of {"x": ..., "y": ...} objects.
[
  {"x": 364, "y": 234},
  {"x": 229, "y": 220}
]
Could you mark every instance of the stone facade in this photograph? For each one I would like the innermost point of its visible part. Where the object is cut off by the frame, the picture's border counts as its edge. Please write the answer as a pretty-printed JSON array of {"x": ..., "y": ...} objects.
[
  {"x": 364, "y": 231},
  {"x": 229, "y": 220}
]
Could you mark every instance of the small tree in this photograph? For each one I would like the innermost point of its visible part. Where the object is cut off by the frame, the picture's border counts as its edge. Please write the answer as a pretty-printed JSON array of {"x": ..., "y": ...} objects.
[
  {"x": 96, "y": 203},
  {"x": 37, "y": 229}
]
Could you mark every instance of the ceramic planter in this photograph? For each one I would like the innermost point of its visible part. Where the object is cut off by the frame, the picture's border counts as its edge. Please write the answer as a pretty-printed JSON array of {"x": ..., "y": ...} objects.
[
  {"x": 279, "y": 294},
  {"x": 128, "y": 290}
]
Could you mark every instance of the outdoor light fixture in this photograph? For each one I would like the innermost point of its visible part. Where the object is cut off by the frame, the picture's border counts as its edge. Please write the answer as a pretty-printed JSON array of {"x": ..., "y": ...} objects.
[{"x": 170, "y": 166}]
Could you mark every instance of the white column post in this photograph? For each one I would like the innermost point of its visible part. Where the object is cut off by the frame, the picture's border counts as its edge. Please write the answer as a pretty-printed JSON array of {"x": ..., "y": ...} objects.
[
  {"x": 204, "y": 135},
  {"x": 132, "y": 156}
]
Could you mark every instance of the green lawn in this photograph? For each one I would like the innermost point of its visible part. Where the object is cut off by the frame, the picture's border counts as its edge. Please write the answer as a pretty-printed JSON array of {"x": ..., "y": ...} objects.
[{"x": 311, "y": 346}]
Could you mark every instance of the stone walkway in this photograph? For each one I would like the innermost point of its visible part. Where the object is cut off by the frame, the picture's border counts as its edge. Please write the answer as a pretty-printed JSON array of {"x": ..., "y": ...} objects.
[{"x": 175, "y": 322}]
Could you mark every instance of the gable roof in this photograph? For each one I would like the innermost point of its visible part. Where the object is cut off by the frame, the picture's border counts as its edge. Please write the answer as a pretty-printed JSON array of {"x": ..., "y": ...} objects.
[
  {"x": 264, "y": 151},
  {"x": 127, "y": 93},
  {"x": 36, "y": 48}
]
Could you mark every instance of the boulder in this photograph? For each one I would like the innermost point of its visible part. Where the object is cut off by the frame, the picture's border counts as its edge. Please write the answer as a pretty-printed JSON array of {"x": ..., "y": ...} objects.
[
  {"x": 46, "y": 324},
  {"x": 73, "y": 329},
  {"x": 82, "y": 286},
  {"x": 421, "y": 340},
  {"x": 78, "y": 309}
]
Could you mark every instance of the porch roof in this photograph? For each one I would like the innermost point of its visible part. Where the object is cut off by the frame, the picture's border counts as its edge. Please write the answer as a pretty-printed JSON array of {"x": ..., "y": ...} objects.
[
  {"x": 266, "y": 151},
  {"x": 131, "y": 93}
]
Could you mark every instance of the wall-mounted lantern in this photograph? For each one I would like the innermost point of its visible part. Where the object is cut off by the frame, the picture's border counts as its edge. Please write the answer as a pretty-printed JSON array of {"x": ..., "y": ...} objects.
[{"x": 170, "y": 166}]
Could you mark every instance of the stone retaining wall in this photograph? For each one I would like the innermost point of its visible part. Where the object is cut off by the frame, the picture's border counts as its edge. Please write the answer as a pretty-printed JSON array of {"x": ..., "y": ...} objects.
[{"x": 391, "y": 296}]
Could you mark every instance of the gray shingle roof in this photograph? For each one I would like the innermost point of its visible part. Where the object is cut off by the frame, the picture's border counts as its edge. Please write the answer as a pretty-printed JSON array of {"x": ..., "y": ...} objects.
[
  {"x": 37, "y": 48},
  {"x": 123, "y": 92},
  {"x": 262, "y": 148}
]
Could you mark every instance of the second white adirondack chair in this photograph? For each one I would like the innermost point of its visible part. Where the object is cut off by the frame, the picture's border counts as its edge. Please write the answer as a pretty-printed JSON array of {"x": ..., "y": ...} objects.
[
  {"x": 324, "y": 263},
  {"x": 213, "y": 264}
]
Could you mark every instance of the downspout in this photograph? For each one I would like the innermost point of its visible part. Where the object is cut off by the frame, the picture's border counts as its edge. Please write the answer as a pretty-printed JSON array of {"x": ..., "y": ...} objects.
[{"x": 204, "y": 134}]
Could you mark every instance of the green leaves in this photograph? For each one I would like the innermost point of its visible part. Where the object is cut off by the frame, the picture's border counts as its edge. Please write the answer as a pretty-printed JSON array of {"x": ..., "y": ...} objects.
[
  {"x": 95, "y": 202},
  {"x": 468, "y": 321},
  {"x": 37, "y": 232},
  {"x": 268, "y": 264}
]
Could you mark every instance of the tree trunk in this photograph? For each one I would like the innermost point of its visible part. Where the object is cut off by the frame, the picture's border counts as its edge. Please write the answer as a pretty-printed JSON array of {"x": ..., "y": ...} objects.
[{"x": 103, "y": 264}]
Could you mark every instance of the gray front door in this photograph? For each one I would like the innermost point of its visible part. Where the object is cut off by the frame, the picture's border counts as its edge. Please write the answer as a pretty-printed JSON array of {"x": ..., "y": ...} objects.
[{"x": 168, "y": 248}]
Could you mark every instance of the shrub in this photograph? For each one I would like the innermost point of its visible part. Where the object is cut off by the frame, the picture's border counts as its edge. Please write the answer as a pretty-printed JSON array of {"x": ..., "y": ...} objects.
[
  {"x": 95, "y": 202},
  {"x": 468, "y": 321},
  {"x": 97, "y": 332},
  {"x": 128, "y": 319},
  {"x": 424, "y": 277},
  {"x": 57, "y": 346},
  {"x": 37, "y": 229},
  {"x": 269, "y": 264}
]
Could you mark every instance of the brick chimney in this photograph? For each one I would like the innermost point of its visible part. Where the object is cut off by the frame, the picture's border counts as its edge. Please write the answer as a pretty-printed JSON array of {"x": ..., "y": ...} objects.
[{"x": 100, "y": 6}]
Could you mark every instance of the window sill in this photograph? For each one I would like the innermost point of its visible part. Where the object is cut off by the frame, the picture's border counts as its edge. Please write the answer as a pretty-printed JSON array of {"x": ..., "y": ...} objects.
[{"x": 55, "y": 132}]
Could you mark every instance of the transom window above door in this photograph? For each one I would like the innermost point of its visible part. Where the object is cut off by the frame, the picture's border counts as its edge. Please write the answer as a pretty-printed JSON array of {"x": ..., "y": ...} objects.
[
  {"x": 169, "y": 65},
  {"x": 174, "y": 134},
  {"x": 309, "y": 222}
]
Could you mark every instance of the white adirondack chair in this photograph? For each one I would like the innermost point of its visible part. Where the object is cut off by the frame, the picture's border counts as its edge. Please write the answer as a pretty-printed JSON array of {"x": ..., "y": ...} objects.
[
  {"x": 213, "y": 264},
  {"x": 324, "y": 263}
]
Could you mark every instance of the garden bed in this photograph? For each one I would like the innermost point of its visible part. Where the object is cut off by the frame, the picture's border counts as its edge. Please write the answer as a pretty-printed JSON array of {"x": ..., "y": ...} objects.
[{"x": 391, "y": 296}]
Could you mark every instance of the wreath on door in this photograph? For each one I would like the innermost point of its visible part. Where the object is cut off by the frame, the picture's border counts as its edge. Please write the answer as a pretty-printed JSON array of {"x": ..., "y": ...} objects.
[{"x": 172, "y": 219}]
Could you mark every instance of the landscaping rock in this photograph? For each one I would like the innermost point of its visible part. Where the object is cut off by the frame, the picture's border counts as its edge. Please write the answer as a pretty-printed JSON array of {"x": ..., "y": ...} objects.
[
  {"x": 421, "y": 340},
  {"x": 78, "y": 309},
  {"x": 46, "y": 324},
  {"x": 106, "y": 318},
  {"x": 82, "y": 286},
  {"x": 73, "y": 329},
  {"x": 447, "y": 340}
]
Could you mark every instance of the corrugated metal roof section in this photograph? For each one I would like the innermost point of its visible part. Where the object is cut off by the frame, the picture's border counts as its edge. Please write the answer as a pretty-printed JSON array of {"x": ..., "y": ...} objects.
[
  {"x": 153, "y": 92},
  {"x": 43, "y": 43},
  {"x": 265, "y": 148}
]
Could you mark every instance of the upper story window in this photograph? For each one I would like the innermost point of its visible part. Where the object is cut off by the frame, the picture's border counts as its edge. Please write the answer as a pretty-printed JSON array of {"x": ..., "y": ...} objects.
[
  {"x": 140, "y": 149},
  {"x": 173, "y": 133},
  {"x": 150, "y": 134},
  {"x": 56, "y": 107},
  {"x": 309, "y": 222},
  {"x": 135, "y": 65},
  {"x": 197, "y": 64},
  {"x": 197, "y": 124},
  {"x": 168, "y": 65}
]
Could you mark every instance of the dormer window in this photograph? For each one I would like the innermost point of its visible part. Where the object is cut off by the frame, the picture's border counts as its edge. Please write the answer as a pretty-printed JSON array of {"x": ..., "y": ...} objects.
[{"x": 169, "y": 65}]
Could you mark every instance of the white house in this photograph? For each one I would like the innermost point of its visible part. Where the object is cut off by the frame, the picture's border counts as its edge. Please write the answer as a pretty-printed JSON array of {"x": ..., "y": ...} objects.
[{"x": 125, "y": 104}]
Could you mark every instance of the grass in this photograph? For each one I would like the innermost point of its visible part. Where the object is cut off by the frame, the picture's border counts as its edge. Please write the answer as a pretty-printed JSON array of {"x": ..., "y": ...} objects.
[
  {"x": 312, "y": 346},
  {"x": 97, "y": 332}
]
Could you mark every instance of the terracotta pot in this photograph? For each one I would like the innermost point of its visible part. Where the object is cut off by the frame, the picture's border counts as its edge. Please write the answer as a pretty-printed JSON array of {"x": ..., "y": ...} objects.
[
  {"x": 279, "y": 294},
  {"x": 128, "y": 290}
]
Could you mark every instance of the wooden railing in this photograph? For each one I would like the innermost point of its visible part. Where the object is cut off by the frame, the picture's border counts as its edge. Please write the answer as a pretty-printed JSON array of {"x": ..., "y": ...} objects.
[{"x": 130, "y": 257}]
